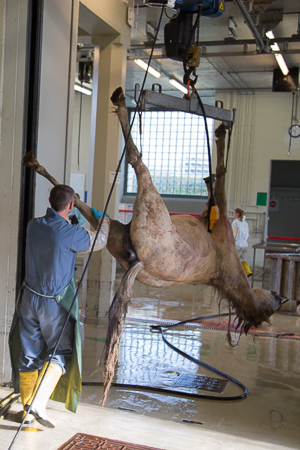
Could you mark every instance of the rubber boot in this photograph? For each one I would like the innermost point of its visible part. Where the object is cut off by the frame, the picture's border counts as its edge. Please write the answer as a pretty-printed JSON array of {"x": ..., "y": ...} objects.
[
  {"x": 27, "y": 382},
  {"x": 247, "y": 269},
  {"x": 51, "y": 379}
]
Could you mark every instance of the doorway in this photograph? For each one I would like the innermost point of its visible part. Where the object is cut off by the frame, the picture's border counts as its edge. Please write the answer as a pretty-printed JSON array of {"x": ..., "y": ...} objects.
[{"x": 284, "y": 199}]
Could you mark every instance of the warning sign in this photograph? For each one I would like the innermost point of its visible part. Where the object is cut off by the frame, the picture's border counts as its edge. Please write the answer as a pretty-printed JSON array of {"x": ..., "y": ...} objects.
[
  {"x": 274, "y": 204},
  {"x": 221, "y": 7}
]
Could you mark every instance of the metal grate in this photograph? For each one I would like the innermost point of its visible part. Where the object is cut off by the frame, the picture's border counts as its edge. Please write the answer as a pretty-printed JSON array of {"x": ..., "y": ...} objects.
[
  {"x": 200, "y": 382},
  {"x": 144, "y": 357},
  {"x": 174, "y": 148}
]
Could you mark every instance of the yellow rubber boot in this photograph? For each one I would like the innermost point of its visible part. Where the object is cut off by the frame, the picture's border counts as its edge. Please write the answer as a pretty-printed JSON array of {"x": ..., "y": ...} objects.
[
  {"x": 247, "y": 269},
  {"x": 51, "y": 379},
  {"x": 27, "y": 382}
]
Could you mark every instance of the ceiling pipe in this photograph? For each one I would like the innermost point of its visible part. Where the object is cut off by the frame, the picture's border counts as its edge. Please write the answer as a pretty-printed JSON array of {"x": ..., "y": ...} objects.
[{"x": 260, "y": 43}]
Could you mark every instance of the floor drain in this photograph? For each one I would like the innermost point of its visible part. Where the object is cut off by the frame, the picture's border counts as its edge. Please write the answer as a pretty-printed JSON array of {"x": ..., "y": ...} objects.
[
  {"x": 191, "y": 421},
  {"x": 126, "y": 409},
  {"x": 199, "y": 382}
]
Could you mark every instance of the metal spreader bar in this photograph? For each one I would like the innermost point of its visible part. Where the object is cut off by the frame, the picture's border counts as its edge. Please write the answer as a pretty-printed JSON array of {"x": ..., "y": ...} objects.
[{"x": 153, "y": 98}]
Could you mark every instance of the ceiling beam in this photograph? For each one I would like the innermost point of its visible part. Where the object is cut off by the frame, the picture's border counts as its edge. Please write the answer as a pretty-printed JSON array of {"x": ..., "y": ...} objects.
[
  {"x": 226, "y": 41},
  {"x": 215, "y": 54}
]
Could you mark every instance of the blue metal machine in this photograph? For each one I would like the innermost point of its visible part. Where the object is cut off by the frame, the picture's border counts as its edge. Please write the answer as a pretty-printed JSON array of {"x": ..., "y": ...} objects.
[{"x": 210, "y": 8}]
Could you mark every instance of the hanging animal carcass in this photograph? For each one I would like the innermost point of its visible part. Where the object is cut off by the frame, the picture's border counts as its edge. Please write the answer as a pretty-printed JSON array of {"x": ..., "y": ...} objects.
[{"x": 162, "y": 250}]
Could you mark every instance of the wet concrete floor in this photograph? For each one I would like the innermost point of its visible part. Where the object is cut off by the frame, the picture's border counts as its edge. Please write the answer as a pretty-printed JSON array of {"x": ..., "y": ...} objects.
[{"x": 266, "y": 362}]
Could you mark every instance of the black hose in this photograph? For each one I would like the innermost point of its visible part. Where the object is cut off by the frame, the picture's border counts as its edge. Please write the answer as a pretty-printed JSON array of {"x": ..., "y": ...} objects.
[
  {"x": 200, "y": 363},
  {"x": 168, "y": 391},
  {"x": 190, "y": 358}
]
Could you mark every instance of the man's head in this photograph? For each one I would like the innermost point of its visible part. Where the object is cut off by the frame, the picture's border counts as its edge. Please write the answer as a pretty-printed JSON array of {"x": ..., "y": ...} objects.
[{"x": 60, "y": 197}]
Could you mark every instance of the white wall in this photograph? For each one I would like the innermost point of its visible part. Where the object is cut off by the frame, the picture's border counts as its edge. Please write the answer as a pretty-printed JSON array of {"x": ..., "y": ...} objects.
[
  {"x": 56, "y": 95},
  {"x": 260, "y": 135},
  {"x": 84, "y": 135}
]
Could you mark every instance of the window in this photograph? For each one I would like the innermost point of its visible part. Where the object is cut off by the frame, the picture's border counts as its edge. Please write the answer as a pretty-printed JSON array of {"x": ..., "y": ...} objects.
[{"x": 174, "y": 149}]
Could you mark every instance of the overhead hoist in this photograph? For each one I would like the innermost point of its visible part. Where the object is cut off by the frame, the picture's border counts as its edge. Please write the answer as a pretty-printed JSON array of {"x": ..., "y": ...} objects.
[{"x": 182, "y": 43}]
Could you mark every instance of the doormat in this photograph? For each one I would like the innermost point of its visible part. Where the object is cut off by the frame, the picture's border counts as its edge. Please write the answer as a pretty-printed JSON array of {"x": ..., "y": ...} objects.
[{"x": 87, "y": 442}]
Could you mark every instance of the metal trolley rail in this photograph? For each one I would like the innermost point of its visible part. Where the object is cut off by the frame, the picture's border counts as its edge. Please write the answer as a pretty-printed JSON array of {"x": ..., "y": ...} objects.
[
  {"x": 274, "y": 247},
  {"x": 285, "y": 276}
]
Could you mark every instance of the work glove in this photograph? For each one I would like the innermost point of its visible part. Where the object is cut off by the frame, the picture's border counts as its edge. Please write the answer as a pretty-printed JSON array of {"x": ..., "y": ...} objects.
[{"x": 98, "y": 214}]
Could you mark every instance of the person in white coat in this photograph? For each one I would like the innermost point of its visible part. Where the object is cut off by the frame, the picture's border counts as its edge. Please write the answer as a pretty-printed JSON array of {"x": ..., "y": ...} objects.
[{"x": 240, "y": 230}]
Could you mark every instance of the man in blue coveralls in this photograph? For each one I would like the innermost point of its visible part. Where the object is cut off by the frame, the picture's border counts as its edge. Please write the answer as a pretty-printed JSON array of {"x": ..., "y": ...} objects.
[{"x": 49, "y": 288}]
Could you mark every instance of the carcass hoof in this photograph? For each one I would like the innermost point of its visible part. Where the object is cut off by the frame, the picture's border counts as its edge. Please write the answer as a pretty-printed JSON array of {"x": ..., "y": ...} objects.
[
  {"x": 220, "y": 131},
  {"x": 118, "y": 98},
  {"x": 207, "y": 180},
  {"x": 30, "y": 160}
]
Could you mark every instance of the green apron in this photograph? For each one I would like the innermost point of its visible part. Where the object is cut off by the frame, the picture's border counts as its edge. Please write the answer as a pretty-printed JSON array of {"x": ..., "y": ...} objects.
[{"x": 68, "y": 388}]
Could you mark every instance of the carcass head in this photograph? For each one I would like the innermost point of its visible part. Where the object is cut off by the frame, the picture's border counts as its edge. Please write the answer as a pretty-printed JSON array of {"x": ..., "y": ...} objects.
[{"x": 269, "y": 302}]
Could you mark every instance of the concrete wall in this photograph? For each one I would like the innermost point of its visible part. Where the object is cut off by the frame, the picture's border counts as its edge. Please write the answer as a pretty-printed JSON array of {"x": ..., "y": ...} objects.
[{"x": 13, "y": 22}]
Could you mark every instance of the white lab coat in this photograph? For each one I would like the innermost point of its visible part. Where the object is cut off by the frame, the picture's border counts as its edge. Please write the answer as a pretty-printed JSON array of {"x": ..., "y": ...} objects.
[{"x": 241, "y": 239}]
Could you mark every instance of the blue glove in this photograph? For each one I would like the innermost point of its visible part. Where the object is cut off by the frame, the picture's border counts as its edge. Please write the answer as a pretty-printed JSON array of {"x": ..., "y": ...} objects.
[{"x": 98, "y": 214}]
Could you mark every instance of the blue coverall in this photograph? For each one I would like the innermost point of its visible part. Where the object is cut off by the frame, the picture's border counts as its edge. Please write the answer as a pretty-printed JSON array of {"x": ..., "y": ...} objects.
[{"x": 51, "y": 247}]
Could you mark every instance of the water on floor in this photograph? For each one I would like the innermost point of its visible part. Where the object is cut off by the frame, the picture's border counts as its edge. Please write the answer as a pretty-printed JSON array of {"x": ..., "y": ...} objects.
[{"x": 266, "y": 362}]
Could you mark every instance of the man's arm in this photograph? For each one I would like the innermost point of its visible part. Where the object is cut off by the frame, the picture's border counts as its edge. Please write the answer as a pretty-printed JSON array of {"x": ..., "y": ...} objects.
[{"x": 101, "y": 238}]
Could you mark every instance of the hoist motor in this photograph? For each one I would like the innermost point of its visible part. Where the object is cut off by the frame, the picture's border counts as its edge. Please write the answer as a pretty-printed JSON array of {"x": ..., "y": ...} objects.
[
  {"x": 177, "y": 32},
  {"x": 181, "y": 36}
]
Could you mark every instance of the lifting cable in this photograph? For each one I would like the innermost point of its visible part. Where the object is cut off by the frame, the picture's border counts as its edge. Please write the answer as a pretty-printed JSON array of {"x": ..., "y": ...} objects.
[
  {"x": 201, "y": 363},
  {"x": 97, "y": 232},
  {"x": 158, "y": 328},
  {"x": 213, "y": 210}
]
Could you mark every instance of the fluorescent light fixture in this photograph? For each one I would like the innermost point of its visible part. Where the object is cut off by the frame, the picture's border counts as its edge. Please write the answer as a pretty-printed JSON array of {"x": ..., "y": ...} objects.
[
  {"x": 178, "y": 85},
  {"x": 270, "y": 35},
  {"x": 82, "y": 89},
  {"x": 282, "y": 64},
  {"x": 275, "y": 47},
  {"x": 150, "y": 69},
  {"x": 279, "y": 58}
]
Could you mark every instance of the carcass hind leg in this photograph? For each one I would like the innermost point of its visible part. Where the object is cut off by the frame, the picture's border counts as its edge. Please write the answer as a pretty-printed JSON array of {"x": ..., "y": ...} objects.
[
  {"x": 219, "y": 192},
  {"x": 118, "y": 100},
  {"x": 148, "y": 205}
]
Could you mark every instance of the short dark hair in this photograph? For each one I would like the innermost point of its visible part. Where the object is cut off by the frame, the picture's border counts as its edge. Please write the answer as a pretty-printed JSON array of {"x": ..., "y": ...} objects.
[{"x": 60, "y": 197}]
